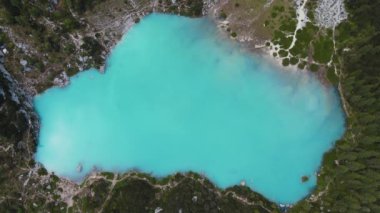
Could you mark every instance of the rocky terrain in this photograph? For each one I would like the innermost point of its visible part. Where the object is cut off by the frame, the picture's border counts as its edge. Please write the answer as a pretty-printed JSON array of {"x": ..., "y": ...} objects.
[{"x": 330, "y": 13}]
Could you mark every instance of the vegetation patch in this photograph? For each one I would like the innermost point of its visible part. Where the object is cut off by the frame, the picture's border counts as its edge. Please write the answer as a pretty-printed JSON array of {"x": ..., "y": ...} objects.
[
  {"x": 314, "y": 67},
  {"x": 333, "y": 78},
  {"x": 323, "y": 49},
  {"x": 304, "y": 38},
  {"x": 293, "y": 60},
  {"x": 285, "y": 62}
]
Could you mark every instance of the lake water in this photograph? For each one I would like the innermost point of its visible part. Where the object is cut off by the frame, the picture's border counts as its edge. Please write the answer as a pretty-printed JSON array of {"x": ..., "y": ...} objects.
[{"x": 178, "y": 97}]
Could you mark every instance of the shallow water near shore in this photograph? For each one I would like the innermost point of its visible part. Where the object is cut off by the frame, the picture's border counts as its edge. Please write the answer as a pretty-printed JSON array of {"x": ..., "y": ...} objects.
[{"x": 177, "y": 97}]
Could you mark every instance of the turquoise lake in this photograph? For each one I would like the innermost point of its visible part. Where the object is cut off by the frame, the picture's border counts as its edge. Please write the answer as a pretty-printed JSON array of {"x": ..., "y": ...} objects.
[{"x": 177, "y": 97}]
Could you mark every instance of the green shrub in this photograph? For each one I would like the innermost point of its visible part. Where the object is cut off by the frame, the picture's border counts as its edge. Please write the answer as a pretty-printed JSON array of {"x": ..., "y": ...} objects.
[
  {"x": 293, "y": 60},
  {"x": 283, "y": 53},
  {"x": 314, "y": 67},
  {"x": 285, "y": 62},
  {"x": 42, "y": 171}
]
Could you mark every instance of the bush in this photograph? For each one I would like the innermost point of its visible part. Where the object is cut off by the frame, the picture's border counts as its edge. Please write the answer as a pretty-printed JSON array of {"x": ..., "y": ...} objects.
[
  {"x": 293, "y": 60},
  {"x": 314, "y": 67},
  {"x": 42, "y": 171},
  {"x": 285, "y": 62},
  {"x": 302, "y": 65},
  {"x": 283, "y": 53}
]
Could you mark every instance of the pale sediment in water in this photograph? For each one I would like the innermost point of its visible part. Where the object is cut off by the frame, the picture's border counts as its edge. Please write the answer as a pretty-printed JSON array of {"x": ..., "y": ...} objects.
[{"x": 176, "y": 97}]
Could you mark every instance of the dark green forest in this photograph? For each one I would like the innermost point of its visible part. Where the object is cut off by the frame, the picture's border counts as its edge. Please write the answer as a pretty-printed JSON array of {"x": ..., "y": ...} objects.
[{"x": 350, "y": 176}]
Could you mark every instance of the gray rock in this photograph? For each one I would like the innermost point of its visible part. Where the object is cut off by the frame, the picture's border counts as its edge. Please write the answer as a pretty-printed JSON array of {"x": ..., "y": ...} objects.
[
  {"x": 23, "y": 62},
  {"x": 158, "y": 210},
  {"x": 62, "y": 80},
  {"x": 79, "y": 168}
]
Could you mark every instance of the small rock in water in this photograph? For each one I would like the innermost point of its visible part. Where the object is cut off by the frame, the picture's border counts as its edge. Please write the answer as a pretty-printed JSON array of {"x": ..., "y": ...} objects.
[
  {"x": 79, "y": 167},
  {"x": 242, "y": 183},
  {"x": 101, "y": 69}
]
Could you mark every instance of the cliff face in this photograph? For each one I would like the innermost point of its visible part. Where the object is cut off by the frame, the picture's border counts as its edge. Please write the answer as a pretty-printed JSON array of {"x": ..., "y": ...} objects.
[{"x": 17, "y": 116}]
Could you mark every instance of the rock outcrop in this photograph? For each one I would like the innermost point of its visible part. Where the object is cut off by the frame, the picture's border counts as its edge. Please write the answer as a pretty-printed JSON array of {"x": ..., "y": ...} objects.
[{"x": 18, "y": 120}]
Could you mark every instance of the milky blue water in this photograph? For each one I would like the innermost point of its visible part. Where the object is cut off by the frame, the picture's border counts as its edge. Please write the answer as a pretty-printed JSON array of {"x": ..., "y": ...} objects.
[{"x": 178, "y": 97}]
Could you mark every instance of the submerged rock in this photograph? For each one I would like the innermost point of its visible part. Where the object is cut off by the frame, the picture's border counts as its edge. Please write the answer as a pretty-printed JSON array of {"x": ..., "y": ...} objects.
[{"x": 79, "y": 168}]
